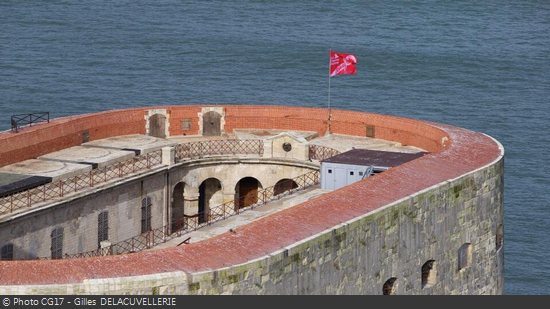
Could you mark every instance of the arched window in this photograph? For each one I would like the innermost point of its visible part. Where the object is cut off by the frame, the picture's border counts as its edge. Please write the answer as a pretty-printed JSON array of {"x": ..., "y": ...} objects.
[
  {"x": 102, "y": 227},
  {"x": 500, "y": 237},
  {"x": 146, "y": 215},
  {"x": 57, "y": 243},
  {"x": 389, "y": 287},
  {"x": 464, "y": 256},
  {"x": 7, "y": 252},
  {"x": 428, "y": 273}
]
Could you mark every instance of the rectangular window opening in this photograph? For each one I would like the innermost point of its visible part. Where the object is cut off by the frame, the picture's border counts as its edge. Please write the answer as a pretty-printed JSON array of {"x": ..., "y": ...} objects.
[{"x": 186, "y": 124}]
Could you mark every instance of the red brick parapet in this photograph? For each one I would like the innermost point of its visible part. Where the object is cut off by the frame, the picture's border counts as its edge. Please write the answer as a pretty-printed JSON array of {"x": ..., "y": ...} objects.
[{"x": 463, "y": 151}]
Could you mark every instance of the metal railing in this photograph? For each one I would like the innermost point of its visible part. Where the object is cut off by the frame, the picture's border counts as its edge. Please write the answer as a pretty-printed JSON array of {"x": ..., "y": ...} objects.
[
  {"x": 28, "y": 198},
  {"x": 192, "y": 223},
  {"x": 219, "y": 147},
  {"x": 18, "y": 121},
  {"x": 50, "y": 191},
  {"x": 321, "y": 153}
]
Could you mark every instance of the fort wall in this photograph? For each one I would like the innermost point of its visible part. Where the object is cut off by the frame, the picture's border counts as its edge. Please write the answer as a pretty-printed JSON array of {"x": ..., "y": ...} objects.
[{"x": 352, "y": 240}]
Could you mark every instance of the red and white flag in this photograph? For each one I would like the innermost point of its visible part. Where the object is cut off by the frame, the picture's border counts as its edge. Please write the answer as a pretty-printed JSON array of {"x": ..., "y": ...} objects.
[{"x": 342, "y": 64}]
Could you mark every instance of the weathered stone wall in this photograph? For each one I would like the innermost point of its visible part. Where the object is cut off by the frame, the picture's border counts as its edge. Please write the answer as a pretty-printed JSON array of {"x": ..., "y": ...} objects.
[
  {"x": 31, "y": 234},
  {"x": 230, "y": 171},
  {"x": 357, "y": 257}
]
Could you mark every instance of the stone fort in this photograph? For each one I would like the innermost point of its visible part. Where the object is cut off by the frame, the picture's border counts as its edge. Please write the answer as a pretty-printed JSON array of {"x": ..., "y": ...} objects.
[{"x": 227, "y": 199}]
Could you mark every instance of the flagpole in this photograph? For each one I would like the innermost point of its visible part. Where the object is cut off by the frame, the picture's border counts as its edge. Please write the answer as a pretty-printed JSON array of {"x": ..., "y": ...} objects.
[{"x": 329, "y": 113}]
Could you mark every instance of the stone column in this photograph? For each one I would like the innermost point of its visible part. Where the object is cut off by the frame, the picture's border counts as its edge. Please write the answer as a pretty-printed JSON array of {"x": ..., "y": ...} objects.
[
  {"x": 169, "y": 155},
  {"x": 268, "y": 148},
  {"x": 104, "y": 246},
  {"x": 191, "y": 201},
  {"x": 228, "y": 195}
]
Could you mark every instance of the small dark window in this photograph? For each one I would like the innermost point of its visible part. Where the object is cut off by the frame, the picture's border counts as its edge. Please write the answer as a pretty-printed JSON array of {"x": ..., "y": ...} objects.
[
  {"x": 330, "y": 171},
  {"x": 146, "y": 215},
  {"x": 370, "y": 131},
  {"x": 102, "y": 227},
  {"x": 428, "y": 273},
  {"x": 351, "y": 173},
  {"x": 464, "y": 256},
  {"x": 57, "y": 243},
  {"x": 287, "y": 147},
  {"x": 85, "y": 136},
  {"x": 360, "y": 173},
  {"x": 7, "y": 252},
  {"x": 389, "y": 287},
  {"x": 185, "y": 124}
]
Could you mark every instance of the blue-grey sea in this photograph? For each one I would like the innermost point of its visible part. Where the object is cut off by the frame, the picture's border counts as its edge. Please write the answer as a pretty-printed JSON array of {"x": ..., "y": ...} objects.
[{"x": 481, "y": 65}]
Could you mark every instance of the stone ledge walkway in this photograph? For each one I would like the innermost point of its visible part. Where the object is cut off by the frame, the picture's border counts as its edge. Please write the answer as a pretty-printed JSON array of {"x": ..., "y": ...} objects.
[{"x": 246, "y": 217}]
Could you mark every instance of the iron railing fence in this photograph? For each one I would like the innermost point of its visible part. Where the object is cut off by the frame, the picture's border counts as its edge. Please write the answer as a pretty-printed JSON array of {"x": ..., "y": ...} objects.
[
  {"x": 321, "y": 153},
  {"x": 30, "y": 197},
  {"x": 219, "y": 147},
  {"x": 18, "y": 121},
  {"x": 188, "y": 224},
  {"x": 27, "y": 198}
]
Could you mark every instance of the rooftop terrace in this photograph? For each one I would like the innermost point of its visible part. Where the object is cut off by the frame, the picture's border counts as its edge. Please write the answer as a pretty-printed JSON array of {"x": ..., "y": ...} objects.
[{"x": 86, "y": 168}]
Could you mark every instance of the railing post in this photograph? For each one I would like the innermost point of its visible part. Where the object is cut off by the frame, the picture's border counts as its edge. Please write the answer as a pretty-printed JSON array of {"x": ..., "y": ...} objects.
[
  {"x": 91, "y": 179},
  {"x": 29, "y": 198},
  {"x": 61, "y": 188},
  {"x": 148, "y": 161},
  {"x": 120, "y": 169}
]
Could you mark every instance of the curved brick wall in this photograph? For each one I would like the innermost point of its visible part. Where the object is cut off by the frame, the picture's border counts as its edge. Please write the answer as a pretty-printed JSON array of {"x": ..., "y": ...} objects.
[
  {"x": 67, "y": 132},
  {"x": 469, "y": 162}
]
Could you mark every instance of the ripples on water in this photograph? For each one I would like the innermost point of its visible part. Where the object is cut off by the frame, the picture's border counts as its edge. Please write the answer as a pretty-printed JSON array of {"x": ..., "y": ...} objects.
[{"x": 478, "y": 65}]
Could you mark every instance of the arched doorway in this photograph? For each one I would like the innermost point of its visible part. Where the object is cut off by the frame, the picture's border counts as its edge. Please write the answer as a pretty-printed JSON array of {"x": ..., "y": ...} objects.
[
  {"x": 177, "y": 209},
  {"x": 210, "y": 195},
  {"x": 284, "y": 185},
  {"x": 157, "y": 126},
  {"x": 246, "y": 192},
  {"x": 211, "y": 124}
]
